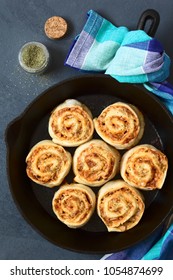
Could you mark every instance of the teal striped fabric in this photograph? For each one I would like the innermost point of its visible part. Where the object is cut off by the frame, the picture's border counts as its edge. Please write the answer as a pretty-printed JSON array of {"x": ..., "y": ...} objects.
[
  {"x": 158, "y": 246},
  {"x": 163, "y": 249},
  {"x": 127, "y": 56},
  {"x": 131, "y": 57}
]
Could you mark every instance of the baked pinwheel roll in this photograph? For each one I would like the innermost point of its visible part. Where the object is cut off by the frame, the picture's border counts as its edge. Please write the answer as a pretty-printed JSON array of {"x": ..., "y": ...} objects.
[
  {"x": 74, "y": 204},
  {"x": 120, "y": 125},
  {"x": 48, "y": 163},
  {"x": 71, "y": 124},
  {"x": 120, "y": 206},
  {"x": 95, "y": 163},
  {"x": 144, "y": 167}
]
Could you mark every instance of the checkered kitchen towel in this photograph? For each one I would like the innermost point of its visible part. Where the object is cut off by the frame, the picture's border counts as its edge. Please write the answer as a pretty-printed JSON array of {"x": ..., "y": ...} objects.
[
  {"x": 131, "y": 57},
  {"x": 127, "y": 56},
  {"x": 158, "y": 246}
]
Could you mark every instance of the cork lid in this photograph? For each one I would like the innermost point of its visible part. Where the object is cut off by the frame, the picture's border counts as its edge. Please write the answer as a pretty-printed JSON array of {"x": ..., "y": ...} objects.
[{"x": 55, "y": 27}]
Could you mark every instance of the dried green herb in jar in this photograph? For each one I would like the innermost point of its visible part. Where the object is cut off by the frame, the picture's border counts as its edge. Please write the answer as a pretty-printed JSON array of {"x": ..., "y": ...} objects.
[{"x": 33, "y": 57}]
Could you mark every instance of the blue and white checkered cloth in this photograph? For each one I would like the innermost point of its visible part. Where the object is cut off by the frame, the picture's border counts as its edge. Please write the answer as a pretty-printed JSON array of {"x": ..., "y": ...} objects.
[
  {"x": 127, "y": 56},
  {"x": 130, "y": 57},
  {"x": 158, "y": 246}
]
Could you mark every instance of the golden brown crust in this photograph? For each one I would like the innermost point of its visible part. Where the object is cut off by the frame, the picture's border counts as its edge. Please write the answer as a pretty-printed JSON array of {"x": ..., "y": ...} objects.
[
  {"x": 120, "y": 124},
  {"x": 144, "y": 167},
  {"x": 120, "y": 206},
  {"x": 74, "y": 204},
  {"x": 48, "y": 163},
  {"x": 71, "y": 124},
  {"x": 95, "y": 163}
]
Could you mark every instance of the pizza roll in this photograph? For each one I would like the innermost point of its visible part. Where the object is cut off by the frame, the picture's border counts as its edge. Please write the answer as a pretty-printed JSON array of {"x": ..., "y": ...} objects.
[
  {"x": 95, "y": 163},
  {"x": 71, "y": 124},
  {"x": 74, "y": 204},
  {"x": 144, "y": 167},
  {"x": 120, "y": 206},
  {"x": 120, "y": 125},
  {"x": 48, "y": 163}
]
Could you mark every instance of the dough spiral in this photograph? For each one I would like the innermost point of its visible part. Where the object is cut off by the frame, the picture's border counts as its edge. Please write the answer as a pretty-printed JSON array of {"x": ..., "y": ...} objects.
[
  {"x": 120, "y": 125},
  {"x": 120, "y": 206},
  {"x": 71, "y": 124},
  {"x": 74, "y": 204},
  {"x": 95, "y": 163},
  {"x": 48, "y": 163},
  {"x": 144, "y": 167}
]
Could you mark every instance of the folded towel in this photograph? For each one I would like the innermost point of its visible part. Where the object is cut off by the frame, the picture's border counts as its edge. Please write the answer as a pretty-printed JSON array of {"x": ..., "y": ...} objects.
[
  {"x": 131, "y": 57},
  {"x": 163, "y": 249},
  {"x": 127, "y": 56},
  {"x": 155, "y": 247}
]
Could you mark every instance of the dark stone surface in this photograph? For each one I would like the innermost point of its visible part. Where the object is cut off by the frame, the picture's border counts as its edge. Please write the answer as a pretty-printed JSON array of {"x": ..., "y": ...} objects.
[{"x": 22, "y": 21}]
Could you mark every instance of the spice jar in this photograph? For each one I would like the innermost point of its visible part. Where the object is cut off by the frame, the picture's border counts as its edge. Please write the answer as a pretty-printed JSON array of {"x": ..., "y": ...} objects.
[{"x": 34, "y": 57}]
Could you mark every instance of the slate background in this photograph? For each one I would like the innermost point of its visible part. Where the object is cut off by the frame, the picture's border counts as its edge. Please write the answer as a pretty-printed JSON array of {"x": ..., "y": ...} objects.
[{"x": 22, "y": 21}]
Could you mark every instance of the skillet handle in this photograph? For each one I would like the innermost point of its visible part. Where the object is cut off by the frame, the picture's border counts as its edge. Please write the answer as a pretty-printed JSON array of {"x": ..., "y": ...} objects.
[
  {"x": 12, "y": 132},
  {"x": 153, "y": 18}
]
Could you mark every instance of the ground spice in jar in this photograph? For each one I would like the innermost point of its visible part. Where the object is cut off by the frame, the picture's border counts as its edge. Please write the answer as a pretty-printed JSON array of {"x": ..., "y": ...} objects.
[{"x": 34, "y": 57}]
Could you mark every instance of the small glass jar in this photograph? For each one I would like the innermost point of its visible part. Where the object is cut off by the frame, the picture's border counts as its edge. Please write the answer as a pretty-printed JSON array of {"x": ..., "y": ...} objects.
[{"x": 34, "y": 57}]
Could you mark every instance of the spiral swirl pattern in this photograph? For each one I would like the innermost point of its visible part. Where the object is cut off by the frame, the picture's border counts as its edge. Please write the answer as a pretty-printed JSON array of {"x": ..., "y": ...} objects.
[
  {"x": 74, "y": 204},
  {"x": 144, "y": 167},
  {"x": 95, "y": 163},
  {"x": 120, "y": 206},
  {"x": 48, "y": 163},
  {"x": 121, "y": 125},
  {"x": 71, "y": 124}
]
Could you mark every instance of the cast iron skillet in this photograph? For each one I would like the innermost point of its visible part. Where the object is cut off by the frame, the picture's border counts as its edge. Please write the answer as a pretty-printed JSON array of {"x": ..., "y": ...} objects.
[
  {"x": 34, "y": 201},
  {"x": 97, "y": 92}
]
